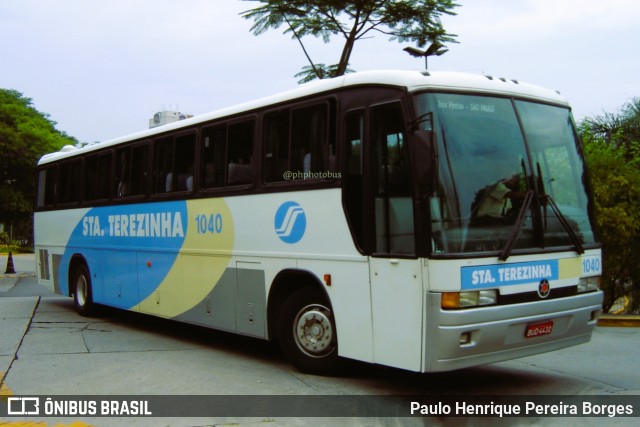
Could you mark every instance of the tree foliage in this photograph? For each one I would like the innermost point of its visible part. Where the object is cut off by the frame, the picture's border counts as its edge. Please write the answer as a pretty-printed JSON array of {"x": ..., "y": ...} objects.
[
  {"x": 416, "y": 21},
  {"x": 317, "y": 71},
  {"x": 612, "y": 145},
  {"x": 620, "y": 130},
  {"x": 25, "y": 135}
]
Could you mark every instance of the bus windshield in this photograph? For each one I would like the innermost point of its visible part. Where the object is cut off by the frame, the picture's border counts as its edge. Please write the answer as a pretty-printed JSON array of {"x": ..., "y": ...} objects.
[{"x": 509, "y": 175}]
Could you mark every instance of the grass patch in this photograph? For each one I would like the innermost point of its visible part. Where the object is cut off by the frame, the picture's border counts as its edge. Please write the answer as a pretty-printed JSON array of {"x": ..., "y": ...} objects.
[{"x": 15, "y": 249}]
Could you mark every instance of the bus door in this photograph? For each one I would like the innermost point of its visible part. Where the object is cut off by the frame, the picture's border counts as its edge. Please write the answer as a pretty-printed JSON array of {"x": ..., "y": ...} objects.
[{"x": 395, "y": 271}]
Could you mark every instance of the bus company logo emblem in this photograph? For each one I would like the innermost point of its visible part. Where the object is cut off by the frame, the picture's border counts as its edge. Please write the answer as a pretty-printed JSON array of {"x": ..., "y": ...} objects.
[
  {"x": 544, "y": 288},
  {"x": 290, "y": 222}
]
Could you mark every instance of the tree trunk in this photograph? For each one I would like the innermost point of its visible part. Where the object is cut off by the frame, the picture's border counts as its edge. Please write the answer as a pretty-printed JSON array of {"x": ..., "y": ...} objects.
[{"x": 347, "y": 50}]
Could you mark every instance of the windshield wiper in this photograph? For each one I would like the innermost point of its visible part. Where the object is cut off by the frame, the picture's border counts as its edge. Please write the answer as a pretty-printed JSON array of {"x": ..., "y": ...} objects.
[
  {"x": 565, "y": 224},
  {"x": 546, "y": 198},
  {"x": 515, "y": 231}
]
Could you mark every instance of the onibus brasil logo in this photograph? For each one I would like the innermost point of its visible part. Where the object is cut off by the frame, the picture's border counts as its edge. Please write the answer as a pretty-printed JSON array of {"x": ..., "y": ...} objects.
[{"x": 290, "y": 222}]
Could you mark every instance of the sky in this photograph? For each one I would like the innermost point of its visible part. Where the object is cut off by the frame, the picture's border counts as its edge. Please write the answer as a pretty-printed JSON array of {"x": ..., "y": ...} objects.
[{"x": 100, "y": 69}]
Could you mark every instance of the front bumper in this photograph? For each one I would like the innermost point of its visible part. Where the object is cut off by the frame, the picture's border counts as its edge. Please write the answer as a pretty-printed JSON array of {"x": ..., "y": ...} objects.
[{"x": 497, "y": 333}]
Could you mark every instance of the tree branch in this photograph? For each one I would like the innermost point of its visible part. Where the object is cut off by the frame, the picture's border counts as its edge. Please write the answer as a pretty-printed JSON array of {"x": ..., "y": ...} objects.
[{"x": 315, "y": 70}]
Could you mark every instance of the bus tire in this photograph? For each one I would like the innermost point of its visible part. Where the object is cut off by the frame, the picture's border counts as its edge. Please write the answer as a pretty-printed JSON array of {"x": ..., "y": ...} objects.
[
  {"x": 307, "y": 332},
  {"x": 82, "y": 291}
]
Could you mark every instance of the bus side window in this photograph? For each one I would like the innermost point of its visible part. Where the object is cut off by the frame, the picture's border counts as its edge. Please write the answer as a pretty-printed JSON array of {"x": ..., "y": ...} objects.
[
  {"x": 47, "y": 184},
  {"x": 184, "y": 160},
  {"x": 213, "y": 155},
  {"x": 299, "y": 141},
  {"x": 163, "y": 165},
  {"x": 70, "y": 182},
  {"x": 131, "y": 171},
  {"x": 174, "y": 163},
  {"x": 354, "y": 191},
  {"x": 97, "y": 175},
  {"x": 240, "y": 153},
  {"x": 276, "y": 146},
  {"x": 393, "y": 202},
  {"x": 311, "y": 148}
]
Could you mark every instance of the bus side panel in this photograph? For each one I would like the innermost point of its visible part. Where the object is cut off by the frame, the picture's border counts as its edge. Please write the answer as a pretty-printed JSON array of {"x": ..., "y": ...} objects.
[
  {"x": 218, "y": 308},
  {"x": 307, "y": 231},
  {"x": 251, "y": 304},
  {"x": 52, "y": 232},
  {"x": 396, "y": 304},
  {"x": 236, "y": 302},
  {"x": 350, "y": 297},
  {"x": 119, "y": 287}
]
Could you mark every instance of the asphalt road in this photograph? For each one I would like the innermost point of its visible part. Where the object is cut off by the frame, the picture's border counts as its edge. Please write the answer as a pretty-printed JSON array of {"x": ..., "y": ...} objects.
[{"x": 46, "y": 349}]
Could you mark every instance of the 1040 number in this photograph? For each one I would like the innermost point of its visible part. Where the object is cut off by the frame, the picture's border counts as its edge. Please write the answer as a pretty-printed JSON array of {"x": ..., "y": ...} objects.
[{"x": 209, "y": 223}]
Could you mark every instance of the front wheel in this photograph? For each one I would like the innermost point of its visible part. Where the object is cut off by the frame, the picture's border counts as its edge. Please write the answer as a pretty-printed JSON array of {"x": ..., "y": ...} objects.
[
  {"x": 82, "y": 292},
  {"x": 307, "y": 332}
]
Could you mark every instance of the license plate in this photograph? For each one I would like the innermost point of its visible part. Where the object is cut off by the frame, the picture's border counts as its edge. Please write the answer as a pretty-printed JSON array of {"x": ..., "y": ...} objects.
[{"x": 538, "y": 329}]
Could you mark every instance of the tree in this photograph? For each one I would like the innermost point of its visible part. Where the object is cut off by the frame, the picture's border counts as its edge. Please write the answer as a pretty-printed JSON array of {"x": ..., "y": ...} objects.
[
  {"x": 25, "y": 135},
  {"x": 621, "y": 130},
  {"x": 612, "y": 143},
  {"x": 416, "y": 21}
]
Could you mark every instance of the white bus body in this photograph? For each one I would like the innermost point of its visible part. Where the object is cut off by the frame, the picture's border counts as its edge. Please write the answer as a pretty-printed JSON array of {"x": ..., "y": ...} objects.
[{"x": 376, "y": 256}]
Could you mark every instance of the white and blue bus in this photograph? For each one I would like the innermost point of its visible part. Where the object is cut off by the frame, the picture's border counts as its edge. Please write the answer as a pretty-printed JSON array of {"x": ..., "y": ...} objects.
[{"x": 424, "y": 221}]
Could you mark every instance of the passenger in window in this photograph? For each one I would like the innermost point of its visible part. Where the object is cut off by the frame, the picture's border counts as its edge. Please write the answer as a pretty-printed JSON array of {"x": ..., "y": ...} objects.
[
  {"x": 210, "y": 175},
  {"x": 185, "y": 179},
  {"x": 189, "y": 180},
  {"x": 240, "y": 172},
  {"x": 306, "y": 163},
  {"x": 169, "y": 182},
  {"x": 123, "y": 189},
  {"x": 123, "y": 182}
]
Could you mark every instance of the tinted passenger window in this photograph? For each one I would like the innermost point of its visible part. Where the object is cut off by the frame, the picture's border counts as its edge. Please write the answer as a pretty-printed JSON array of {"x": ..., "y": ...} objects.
[
  {"x": 227, "y": 155},
  {"x": 393, "y": 202},
  {"x": 70, "y": 182},
  {"x": 97, "y": 176},
  {"x": 298, "y": 141},
  {"x": 132, "y": 171},
  {"x": 47, "y": 184},
  {"x": 355, "y": 185},
  {"x": 174, "y": 162}
]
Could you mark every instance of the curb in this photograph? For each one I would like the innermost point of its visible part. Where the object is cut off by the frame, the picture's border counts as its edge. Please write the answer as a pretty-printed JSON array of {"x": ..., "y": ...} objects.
[{"x": 619, "y": 320}]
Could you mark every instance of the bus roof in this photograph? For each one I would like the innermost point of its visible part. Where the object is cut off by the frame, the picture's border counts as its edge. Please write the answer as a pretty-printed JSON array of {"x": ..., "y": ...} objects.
[{"x": 410, "y": 80}]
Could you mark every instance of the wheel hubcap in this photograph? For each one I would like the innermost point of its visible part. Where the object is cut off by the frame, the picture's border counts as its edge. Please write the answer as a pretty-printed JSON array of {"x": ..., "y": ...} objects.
[
  {"x": 81, "y": 290},
  {"x": 313, "y": 331}
]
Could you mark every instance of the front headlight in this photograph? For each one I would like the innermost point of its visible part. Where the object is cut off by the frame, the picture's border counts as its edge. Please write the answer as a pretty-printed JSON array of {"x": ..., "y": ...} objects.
[
  {"x": 588, "y": 284},
  {"x": 469, "y": 299}
]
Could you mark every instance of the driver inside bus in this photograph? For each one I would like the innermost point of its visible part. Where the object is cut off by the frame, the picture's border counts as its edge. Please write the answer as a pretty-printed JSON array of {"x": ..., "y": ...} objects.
[{"x": 495, "y": 203}]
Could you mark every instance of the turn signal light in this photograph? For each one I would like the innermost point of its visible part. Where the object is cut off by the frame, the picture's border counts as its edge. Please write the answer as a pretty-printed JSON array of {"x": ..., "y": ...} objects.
[{"x": 467, "y": 299}]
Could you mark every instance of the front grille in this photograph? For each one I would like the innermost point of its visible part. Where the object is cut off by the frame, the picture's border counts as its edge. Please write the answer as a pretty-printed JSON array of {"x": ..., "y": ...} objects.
[{"x": 567, "y": 291}]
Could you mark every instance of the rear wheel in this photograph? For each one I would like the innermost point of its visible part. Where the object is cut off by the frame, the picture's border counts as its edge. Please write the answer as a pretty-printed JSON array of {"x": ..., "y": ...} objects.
[
  {"x": 82, "y": 292},
  {"x": 307, "y": 332}
]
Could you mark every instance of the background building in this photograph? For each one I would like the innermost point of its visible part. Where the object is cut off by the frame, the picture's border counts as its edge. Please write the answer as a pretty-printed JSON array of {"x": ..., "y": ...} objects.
[{"x": 165, "y": 117}]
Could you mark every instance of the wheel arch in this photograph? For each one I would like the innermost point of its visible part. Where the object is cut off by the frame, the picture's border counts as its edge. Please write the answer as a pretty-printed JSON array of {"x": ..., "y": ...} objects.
[{"x": 283, "y": 285}]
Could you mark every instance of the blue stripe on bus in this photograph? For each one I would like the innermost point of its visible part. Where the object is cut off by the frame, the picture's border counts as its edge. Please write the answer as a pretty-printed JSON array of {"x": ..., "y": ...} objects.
[{"x": 112, "y": 240}]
